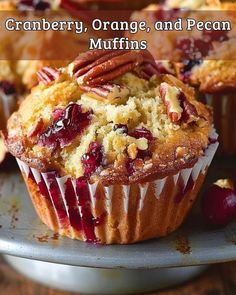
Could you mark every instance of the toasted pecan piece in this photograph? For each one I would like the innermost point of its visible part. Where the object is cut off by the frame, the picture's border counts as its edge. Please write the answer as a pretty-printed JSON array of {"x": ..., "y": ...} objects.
[{"x": 101, "y": 66}]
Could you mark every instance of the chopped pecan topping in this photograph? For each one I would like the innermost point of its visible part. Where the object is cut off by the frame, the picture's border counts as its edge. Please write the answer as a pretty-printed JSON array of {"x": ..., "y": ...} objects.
[
  {"x": 47, "y": 75},
  {"x": 190, "y": 113},
  {"x": 177, "y": 105},
  {"x": 170, "y": 97},
  {"x": 101, "y": 66},
  {"x": 109, "y": 92}
]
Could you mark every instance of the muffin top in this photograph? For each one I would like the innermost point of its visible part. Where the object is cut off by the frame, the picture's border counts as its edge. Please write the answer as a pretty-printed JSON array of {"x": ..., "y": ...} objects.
[
  {"x": 110, "y": 115},
  {"x": 214, "y": 69}
]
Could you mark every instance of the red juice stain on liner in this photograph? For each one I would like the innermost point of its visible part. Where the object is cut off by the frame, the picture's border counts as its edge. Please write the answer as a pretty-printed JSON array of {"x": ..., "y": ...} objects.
[
  {"x": 87, "y": 219},
  {"x": 31, "y": 176},
  {"x": 57, "y": 198},
  {"x": 183, "y": 191},
  {"x": 72, "y": 203}
]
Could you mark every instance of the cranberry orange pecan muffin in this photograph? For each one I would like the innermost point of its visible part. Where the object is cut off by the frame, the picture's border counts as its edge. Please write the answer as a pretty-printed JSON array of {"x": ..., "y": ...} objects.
[
  {"x": 205, "y": 60},
  {"x": 111, "y": 150}
]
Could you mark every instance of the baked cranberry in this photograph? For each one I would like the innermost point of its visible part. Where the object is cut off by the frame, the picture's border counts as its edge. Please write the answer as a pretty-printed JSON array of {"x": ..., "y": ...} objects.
[
  {"x": 166, "y": 15},
  {"x": 143, "y": 154},
  {"x": 219, "y": 205},
  {"x": 193, "y": 49},
  {"x": 33, "y": 4},
  {"x": 130, "y": 166},
  {"x": 57, "y": 114},
  {"x": 141, "y": 132},
  {"x": 214, "y": 35},
  {"x": 123, "y": 128},
  {"x": 70, "y": 123},
  {"x": 7, "y": 87},
  {"x": 92, "y": 159},
  {"x": 212, "y": 140}
]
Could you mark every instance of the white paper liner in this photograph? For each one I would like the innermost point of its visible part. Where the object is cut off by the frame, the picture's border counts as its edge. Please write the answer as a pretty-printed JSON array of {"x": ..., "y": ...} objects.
[{"x": 182, "y": 177}]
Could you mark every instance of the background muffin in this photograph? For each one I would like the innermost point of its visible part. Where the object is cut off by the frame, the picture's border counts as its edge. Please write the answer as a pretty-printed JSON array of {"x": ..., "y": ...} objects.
[
  {"x": 111, "y": 151},
  {"x": 212, "y": 72}
]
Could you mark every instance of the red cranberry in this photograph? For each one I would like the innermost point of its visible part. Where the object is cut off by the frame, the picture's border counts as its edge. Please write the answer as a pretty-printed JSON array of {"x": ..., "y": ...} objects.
[
  {"x": 216, "y": 35},
  {"x": 193, "y": 49},
  {"x": 33, "y": 4},
  {"x": 92, "y": 159},
  {"x": 212, "y": 140},
  {"x": 141, "y": 132},
  {"x": 219, "y": 205},
  {"x": 70, "y": 123},
  {"x": 123, "y": 128},
  {"x": 166, "y": 15},
  {"x": 57, "y": 114},
  {"x": 7, "y": 87},
  {"x": 130, "y": 166}
]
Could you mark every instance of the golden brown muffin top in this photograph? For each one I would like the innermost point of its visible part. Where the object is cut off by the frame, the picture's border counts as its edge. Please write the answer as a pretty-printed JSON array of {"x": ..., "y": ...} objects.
[{"x": 110, "y": 115}]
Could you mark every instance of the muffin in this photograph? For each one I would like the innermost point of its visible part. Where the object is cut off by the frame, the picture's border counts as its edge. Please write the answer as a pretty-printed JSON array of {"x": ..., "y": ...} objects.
[
  {"x": 111, "y": 150},
  {"x": 213, "y": 72}
]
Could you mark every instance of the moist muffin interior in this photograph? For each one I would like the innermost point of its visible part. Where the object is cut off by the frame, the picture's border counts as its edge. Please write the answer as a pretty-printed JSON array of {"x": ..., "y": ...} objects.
[{"x": 131, "y": 137}]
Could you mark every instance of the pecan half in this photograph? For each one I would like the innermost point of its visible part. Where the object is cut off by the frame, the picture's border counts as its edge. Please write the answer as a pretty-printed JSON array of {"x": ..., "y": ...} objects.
[
  {"x": 47, "y": 75},
  {"x": 109, "y": 92},
  {"x": 190, "y": 113},
  {"x": 101, "y": 66},
  {"x": 170, "y": 97}
]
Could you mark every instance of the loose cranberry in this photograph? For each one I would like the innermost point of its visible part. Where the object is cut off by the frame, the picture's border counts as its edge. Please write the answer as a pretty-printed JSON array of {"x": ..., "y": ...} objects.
[
  {"x": 92, "y": 159},
  {"x": 33, "y": 4},
  {"x": 7, "y": 87},
  {"x": 193, "y": 49},
  {"x": 141, "y": 132},
  {"x": 219, "y": 205},
  {"x": 214, "y": 35},
  {"x": 71, "y": 123},
  {"x": 123, "y": 128}
]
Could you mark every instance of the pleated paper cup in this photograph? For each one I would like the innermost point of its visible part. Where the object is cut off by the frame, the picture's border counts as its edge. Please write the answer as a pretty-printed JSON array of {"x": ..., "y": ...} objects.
[
  {"x": 116, "y": 214},
  {"x": 224, "y": 107}
]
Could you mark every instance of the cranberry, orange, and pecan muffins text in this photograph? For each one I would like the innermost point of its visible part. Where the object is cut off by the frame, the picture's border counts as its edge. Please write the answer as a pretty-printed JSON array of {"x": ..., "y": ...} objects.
[{"x": 111, "y": 150}]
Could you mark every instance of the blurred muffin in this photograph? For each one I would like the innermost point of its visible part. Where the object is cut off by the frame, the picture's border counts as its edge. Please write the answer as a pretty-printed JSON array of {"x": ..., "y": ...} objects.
[
  {"x": 112, "y": 151},
  {"x": 202, "y": 59}
]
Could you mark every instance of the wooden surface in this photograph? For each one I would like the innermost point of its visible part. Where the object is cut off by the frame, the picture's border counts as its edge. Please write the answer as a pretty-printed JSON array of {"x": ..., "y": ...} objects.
[{"x": 217, "y": 280}]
